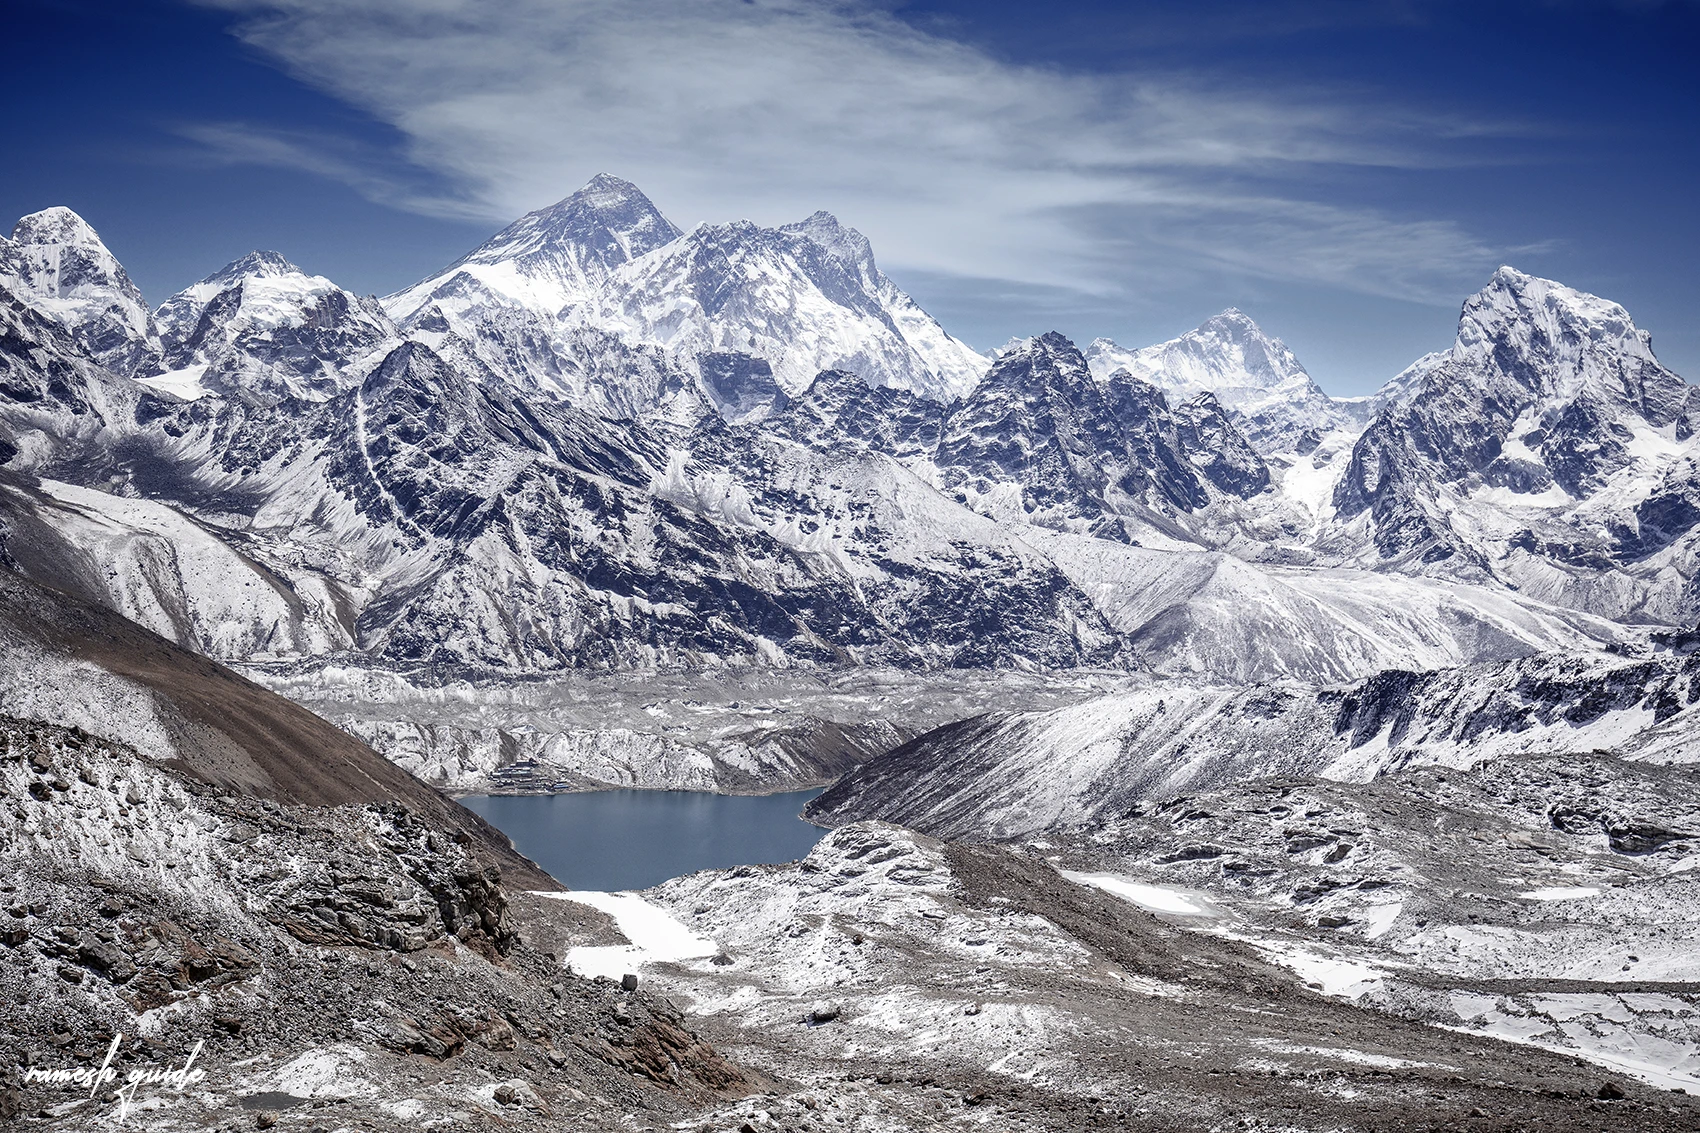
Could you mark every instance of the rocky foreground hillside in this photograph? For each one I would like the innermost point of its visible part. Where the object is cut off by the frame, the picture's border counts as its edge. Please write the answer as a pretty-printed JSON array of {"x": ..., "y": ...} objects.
[
  {"x": 287, "y": 948},
  {"x": 351, "y": 967},
  {"x": 236, "y": 882}
]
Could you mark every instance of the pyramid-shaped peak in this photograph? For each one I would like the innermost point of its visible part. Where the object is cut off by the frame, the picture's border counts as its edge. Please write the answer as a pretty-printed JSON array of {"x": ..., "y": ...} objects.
[
  {"x": 844, "y": 242},
  {"x": 607, "y": 200},
  {"x": 1049, "y": 349},
  {"x": 56, "y": 225},
  {"x": 609, "y": 221},
  {"x": 1054, "y": 341},
  {"x": 1232, "y": 322},
  {"x": 256, "y": 263},
  {"x": 606, "y": 189}
]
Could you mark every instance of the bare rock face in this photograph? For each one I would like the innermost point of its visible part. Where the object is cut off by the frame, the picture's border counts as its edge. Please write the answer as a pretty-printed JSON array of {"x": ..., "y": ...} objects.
[
  {"x": 432, "y": 890},
  {"x": 363, "y": 940}
]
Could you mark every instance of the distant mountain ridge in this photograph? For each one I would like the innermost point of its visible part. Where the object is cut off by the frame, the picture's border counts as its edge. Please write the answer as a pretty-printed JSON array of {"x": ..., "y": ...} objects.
[
  {"x": 1255, "y": 376},
  {"x": 532, "y": 302},
  {"x": 502, "y": 483}
]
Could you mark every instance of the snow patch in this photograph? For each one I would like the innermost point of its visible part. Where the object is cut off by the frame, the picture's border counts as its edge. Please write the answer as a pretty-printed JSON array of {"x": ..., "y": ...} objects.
[
  {"x": 1561, "y": 893},
  {"x": 656, "y": 935},
  {"x": 1154, "y": 898}
]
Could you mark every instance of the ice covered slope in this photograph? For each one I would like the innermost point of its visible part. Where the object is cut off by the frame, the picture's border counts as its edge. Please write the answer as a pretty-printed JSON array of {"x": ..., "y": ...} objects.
[
  {"x": 539, "y": 301},
  {"x": 57, "y": 264},
  {"x": 262, "y": 325},
  {"x": 1548, "y": 450},
  {"x": 57, "y": 404},
  {"x": 803, "y": 298},
  {"x": 1010, "y": 776},
  {"x": 187, "y": 581},
  {"x": 1254, "y": 376},
  {"x": 1214, "y": 617}
]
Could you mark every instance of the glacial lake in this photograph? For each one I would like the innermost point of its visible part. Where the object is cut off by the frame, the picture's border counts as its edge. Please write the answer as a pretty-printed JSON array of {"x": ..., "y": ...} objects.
[{"x": 612, "y": 840}]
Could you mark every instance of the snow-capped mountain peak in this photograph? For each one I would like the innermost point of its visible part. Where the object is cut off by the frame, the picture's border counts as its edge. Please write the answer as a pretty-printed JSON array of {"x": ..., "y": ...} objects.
[
  {"x": 262, "y": 325},
  {"x": 1250, "y": 373},
  {"x": 1547, "y": 340},
  {"x": 1228, "y": 355},
  {"x": 255, "y": 263},
  {"x": 58, "y": 264},
  {"x": 57, "y": 225},
  {"x": 608, "y": 222},
  {"x": 548, "y": 261},
  {"x": 542, "y": 301},
  {"x": 1547, "y": 444},
  {"x": 268, "y": 272},
  {"x": 846, "y": 244}
]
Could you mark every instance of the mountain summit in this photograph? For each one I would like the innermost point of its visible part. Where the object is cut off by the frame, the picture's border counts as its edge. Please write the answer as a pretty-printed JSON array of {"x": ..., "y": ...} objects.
[
  {"x": 57, "y": 263},
  {"x": 1547, "y": 446},
  {"x": 1253, "y": 375},
  {"x": 262, "y": 326},
  {"x": 576, "y": 298}
]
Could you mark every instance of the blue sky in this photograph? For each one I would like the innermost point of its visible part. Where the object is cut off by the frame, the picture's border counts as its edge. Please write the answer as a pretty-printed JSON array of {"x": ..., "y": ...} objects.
[{"x": 1345, "y": 171}]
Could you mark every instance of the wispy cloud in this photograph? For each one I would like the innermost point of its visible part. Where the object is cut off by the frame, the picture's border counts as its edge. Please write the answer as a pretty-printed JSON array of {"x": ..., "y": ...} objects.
[
  {"x": 369, "y": 170},
  {"x": 952, "y": 161}
]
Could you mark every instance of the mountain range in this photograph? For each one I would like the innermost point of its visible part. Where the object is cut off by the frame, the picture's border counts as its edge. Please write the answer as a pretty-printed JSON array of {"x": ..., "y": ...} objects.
[
  {"x": 1393, "y": 698},
  {"x": 597, "y": 442}
]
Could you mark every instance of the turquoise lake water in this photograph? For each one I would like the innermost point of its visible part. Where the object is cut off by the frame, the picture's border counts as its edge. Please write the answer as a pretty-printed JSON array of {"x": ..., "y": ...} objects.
[{"x": 635, "y": 839}]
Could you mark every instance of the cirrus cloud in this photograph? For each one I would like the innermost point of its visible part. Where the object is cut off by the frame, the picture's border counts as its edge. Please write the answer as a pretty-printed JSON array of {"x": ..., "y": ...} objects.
[{"x": 953, "y": 162}]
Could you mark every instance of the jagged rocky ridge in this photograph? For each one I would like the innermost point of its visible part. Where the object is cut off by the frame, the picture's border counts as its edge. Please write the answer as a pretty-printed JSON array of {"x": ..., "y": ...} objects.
[
  {"x": 1255, "y": 377},
  {"x": 422, "y": 515},
  {"x": 774, "y": 306},
  {"x": 343, "y": 485},
  {"x": 58, "y": 262}
]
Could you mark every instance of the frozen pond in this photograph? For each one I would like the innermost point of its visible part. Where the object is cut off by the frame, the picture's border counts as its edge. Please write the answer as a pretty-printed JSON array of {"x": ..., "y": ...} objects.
[{"x": 614, "y": 840}]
